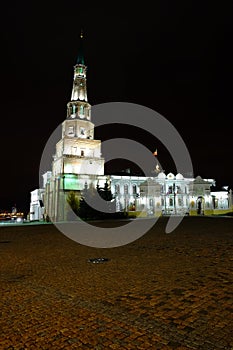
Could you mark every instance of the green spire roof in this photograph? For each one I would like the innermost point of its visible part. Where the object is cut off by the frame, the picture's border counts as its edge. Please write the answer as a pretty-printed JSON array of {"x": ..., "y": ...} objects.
[{"x": 80, "y": 58}]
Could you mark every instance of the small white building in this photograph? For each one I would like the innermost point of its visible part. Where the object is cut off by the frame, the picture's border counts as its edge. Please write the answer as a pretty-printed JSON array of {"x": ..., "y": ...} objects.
[{"x": 37, "y": 205}]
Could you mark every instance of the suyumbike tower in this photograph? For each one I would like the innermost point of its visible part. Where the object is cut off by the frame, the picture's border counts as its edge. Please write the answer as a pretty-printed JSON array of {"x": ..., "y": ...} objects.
[
  {"x": 77, "y": 162},
  {"x": 78, "y": 152}
]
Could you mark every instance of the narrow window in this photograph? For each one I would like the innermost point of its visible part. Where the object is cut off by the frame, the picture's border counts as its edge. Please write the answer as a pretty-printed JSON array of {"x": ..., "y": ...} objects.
[
  {"x": 117, "y": 189},
  {"x": 82, "y": 132},
  {"x": 134, "y": 189},
  {"x": 70, "y": 130}
]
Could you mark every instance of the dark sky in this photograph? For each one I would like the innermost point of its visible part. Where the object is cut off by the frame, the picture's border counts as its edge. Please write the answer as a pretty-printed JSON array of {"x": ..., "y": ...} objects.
[{"x": 185, "y": 49}]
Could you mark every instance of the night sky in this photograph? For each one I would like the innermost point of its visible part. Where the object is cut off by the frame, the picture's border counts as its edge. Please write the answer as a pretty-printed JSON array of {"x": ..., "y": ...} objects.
[{"x": 185, "y": 49}]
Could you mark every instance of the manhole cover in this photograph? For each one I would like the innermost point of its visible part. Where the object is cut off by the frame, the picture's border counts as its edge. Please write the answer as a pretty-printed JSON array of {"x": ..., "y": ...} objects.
[
  {"x": 98, "y": 260},
  {"x": 15, "y": 278}
]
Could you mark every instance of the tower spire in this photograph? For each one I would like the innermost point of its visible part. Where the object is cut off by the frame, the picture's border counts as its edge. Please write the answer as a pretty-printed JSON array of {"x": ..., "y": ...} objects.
[
  {"x": 80, "y": 58},
  {"x": 79, "y": 107}
]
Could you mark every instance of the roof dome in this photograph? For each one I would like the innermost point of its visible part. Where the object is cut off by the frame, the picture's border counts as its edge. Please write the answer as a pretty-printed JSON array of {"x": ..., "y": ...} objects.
[
  {"x": 161, "y": 176},
  {"x": 170, "y": 176},
  {"x": 179, "y": 176}
]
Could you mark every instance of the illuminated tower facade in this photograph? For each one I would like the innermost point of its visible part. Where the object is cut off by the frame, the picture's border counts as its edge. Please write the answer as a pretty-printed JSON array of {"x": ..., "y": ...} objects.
[
  {"x": 77, "y": 162},
  {"x": 78, "y": 152}
]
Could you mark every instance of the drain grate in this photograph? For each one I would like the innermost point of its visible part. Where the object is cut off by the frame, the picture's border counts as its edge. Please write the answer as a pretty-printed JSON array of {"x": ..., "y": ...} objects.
[{"x": 97, "y": 260}]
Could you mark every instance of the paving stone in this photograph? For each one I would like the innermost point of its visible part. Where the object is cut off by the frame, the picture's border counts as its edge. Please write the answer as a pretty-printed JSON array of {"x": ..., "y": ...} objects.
[{"x": 160, "y": 292}]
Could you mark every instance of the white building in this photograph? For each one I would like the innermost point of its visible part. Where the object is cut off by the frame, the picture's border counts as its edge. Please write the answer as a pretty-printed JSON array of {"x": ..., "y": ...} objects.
[
  {"x": 78, "y": 164},
  {"x": 37, "y": 205}
]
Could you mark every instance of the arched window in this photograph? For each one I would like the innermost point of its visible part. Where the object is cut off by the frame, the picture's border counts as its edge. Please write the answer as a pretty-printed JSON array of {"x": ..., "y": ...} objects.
[
  {"x": 81, "y": 110},
  {"x": 88, "y": 113},
  {"x": 126, "y": 189},
  {"x": 180, "y": 202},
  {"x": 117, "y": 188},
  {"x": 80, "y": 70},
  {"x": 170, "y": 189},
  {"x": 73, "y": 109},
  {"x": 70, "y": 130},
  {"x": 134, "y": 189}
]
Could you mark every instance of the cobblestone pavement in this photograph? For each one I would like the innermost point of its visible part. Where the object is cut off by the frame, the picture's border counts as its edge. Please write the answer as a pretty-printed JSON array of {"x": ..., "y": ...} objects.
[{"x": 163, "y": 291}]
